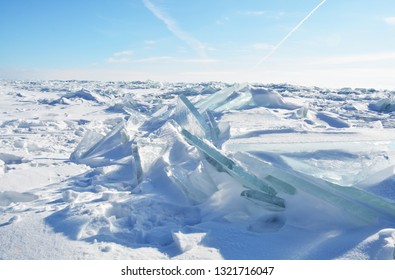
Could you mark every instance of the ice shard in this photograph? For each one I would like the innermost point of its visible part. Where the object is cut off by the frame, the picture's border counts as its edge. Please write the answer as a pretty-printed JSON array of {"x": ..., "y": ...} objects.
[
  {"x": 245, "y": 178},
  {"x": 137, "y": 162},
  {"x": 214, "y": 129},
  {"x": 239, "y": 100},
  {"x": 188, "y": 117},
  {"x": 88, "y": 142},
  {"x": 385, "y": 207},
  {"x": 363, "y": 206},
  {"x": 269, "y": 202},
  {"x": 196, "y": 184},
  {"x": 220, "y": 97},
  {"x": 117, "y": 137}
]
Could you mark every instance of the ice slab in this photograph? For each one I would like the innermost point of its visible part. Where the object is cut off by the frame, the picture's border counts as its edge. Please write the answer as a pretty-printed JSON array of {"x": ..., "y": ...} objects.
[
  {"x": 248, "y": 180},
  {"x": 94, "y": 144},
  {"x": 196, "y": 184},
  {"x": 220, "y": 97},
  {"x": 188, "y": 117},
  {"x": 87, "y": 144},
  {"x": 267, "y": 201},
  {"x": 137, "y": 163},
  {"x": 363, "y": 206}
]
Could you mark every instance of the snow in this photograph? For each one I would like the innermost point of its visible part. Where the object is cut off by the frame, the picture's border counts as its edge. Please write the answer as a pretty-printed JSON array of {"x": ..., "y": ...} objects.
[{"x": 147, "y": 170}]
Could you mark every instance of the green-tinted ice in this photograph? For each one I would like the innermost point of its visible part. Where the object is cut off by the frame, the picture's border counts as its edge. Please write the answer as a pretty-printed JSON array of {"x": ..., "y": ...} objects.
[{"x": 364, "y": 206}]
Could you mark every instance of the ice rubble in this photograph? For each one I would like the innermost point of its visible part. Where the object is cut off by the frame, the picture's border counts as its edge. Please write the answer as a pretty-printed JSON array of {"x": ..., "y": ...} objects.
[
  {"x": 383, "y": 105},
  {"x": 189, "y": 172},
  {"x": 178, "y": 150}
]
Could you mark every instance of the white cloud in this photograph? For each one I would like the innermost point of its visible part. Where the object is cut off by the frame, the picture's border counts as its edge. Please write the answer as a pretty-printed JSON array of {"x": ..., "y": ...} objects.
[
  {"x": 266, "y": 14},
  {"x": 173, "y": 27},
  {"x": 390, "y": 20},
  {"x": 113, "y": 60},
  {"x": 123, "y": 53},
  {"x": 154, "y": 59},
  {"x": 120, "y": 57}
]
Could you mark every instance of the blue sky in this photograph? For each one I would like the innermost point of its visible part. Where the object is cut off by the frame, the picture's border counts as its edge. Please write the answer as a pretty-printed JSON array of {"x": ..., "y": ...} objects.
[{"x": 311, "y": 42}]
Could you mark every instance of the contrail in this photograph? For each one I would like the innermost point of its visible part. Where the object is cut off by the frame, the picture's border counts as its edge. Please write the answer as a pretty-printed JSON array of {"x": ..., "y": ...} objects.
[
  {"x": 172, "y": 26},
  {"x": 290, "y": 33}
]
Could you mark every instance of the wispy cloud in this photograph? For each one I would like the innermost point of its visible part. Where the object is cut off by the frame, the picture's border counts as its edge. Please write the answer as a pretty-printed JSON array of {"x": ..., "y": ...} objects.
[
  {"x": 154, "y": 59},
  {"x": 290, "y": 33},
  {"x": 173, "y": 27},
  {"x": 371, "y": 57},
  {"x": 171, "y": 59},
  {"x": 120, "y": 57},
  {"x": 389, "y": 20},
  {"x": 266, "y": 14},
  {"x": 124, "y": 53},
  {"x": 113, "y": 60}
]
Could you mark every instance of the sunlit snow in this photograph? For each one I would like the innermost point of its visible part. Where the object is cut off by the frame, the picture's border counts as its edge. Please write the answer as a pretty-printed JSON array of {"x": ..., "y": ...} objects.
[{"x": 148, "y": 170}]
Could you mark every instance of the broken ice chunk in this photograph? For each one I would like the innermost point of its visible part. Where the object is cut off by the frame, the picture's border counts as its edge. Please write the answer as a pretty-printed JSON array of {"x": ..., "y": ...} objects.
[
  {"x": 365, "y": 208},
  {"x": 267, "y": 201},
  {"x": 90, "y": 139},
  {"x": 188, "y": 117},
  {"x": 220, "y": 97},
  {"x": 236, "y": 171},
  {"x": 197, "y": 185},
  {"x": 137, "y": 163},
  {"x": 94, "y": 144}
]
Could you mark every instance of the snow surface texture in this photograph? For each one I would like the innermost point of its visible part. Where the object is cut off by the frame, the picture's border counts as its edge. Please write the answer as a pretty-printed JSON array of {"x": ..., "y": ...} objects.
[{"x": 145, "y": 170}]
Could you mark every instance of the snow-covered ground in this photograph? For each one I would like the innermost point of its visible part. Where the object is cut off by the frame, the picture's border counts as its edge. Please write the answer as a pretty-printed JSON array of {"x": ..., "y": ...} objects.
[{"x": 147, "y": 170}]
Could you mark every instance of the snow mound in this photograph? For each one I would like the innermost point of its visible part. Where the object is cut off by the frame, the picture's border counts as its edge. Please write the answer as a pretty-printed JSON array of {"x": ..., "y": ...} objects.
[
  {"x": 9, "y": 197},
  {"x": 379, "y": 246},
  {"x": 332, "y": 120},
  {"x": 11, "y": 159},
  {"x": 186, "y": 242}
]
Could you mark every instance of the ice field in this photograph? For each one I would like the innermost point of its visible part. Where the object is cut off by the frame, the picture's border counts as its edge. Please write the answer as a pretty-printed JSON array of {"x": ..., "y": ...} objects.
[{"x": 149, "y": 170}]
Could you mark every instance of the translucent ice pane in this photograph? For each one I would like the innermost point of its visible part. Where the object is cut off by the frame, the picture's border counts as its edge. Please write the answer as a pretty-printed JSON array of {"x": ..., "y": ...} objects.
[
  {"x": 215, "y": 132},
  {"x": 137, "y": 162},
  {"x": 187, "y": 116},
  {"x": 239, "y": 101},
  {"x": 196, "y": 184},
  {"x": 370, "y": 200},
  {"x": 90, "y": 140},
  {"x": 267, "y": 201},
  {"x": 244, "y": 177},
  {"x": 220, "y": 97},
  {"x": 361, "y": 205}
]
